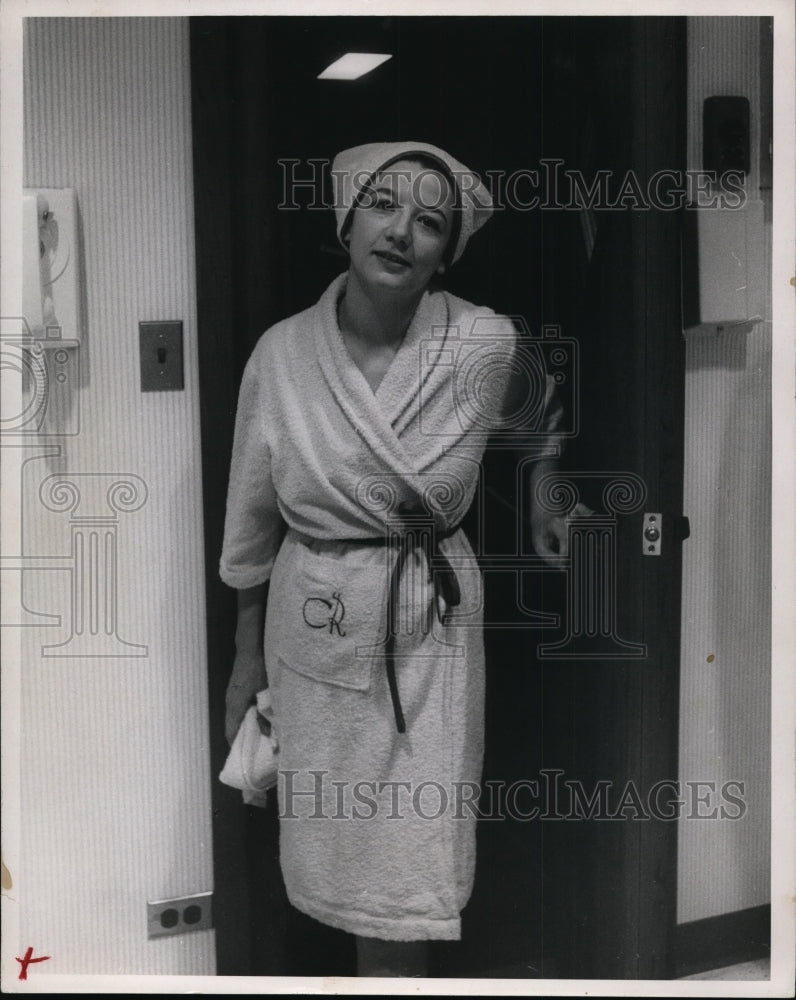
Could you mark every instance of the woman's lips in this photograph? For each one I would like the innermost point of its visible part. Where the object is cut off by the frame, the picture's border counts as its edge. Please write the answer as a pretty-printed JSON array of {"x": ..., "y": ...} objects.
[{"x": 392, "y": 260}]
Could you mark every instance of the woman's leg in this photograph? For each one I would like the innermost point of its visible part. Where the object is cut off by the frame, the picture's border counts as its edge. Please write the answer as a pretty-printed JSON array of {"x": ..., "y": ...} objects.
[{"x": 391, "y": 958}]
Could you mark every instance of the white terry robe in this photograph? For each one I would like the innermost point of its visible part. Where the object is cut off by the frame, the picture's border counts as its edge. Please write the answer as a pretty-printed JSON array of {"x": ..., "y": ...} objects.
[{"x": 377, "y": 827}]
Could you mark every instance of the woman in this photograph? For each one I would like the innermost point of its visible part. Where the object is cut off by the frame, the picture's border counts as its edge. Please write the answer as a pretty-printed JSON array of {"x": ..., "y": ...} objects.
[{"x": 355, "y": 459}]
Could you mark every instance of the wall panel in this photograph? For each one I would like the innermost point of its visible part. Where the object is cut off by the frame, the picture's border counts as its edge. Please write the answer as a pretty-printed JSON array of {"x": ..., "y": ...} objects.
[
  {"x": 726, "y": 634},
  {"x": 115, "y": 771}
]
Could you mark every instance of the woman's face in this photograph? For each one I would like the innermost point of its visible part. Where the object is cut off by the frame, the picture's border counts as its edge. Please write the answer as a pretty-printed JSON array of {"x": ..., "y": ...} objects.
[{"x": 399, "y": 233}]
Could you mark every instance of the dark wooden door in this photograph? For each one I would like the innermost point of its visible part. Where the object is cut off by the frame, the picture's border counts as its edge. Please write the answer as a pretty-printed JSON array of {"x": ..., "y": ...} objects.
[
  {"x": 614, "y": 281},
  {"x": 552, "y": 897}
]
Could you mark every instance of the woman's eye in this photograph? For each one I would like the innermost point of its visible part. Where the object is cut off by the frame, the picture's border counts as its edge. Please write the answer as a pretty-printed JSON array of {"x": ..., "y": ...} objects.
[{"x": 429, "y": 222}]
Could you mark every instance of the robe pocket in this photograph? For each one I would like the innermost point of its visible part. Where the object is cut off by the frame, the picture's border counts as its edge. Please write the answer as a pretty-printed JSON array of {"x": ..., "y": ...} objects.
[{"x": 326, "y": 617}]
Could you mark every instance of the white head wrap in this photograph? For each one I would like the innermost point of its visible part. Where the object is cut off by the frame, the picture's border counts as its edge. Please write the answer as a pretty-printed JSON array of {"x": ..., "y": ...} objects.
[{"x": 354, "y": 169}]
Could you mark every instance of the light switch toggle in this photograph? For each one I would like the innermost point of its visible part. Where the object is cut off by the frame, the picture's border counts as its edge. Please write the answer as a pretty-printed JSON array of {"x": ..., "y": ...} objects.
[{"x": 161, "y": 355}]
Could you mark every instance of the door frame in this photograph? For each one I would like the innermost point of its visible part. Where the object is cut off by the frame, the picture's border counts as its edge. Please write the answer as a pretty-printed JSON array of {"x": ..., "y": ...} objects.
[
  {"x": 649, "y": 866},
  {"x": 213, "y": 168},
  {"x": 659, "y": 79}
]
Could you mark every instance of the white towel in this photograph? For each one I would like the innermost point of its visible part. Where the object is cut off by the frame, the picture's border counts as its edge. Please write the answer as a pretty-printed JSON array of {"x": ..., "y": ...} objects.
[
  {"x": 353, "y": 169},
  {"x": 251, "y": 764}
]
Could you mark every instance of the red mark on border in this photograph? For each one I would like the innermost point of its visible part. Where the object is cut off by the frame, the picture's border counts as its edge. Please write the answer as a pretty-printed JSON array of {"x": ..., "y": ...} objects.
[{"x": 29, "y": 960}]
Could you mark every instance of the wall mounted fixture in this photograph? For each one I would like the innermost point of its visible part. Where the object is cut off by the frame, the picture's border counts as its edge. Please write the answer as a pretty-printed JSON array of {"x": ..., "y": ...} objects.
[
  {"x": 48, "y": 338},
  {"x": 51, "y": 266},
  {"x": 723, "y": 280}
]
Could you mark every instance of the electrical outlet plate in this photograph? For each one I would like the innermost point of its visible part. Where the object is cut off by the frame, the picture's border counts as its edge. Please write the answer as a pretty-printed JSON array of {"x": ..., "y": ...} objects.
[{"x": 179, "y": 916}]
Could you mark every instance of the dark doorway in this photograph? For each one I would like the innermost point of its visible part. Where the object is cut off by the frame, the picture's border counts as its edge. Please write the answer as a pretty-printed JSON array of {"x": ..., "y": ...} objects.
[{"x": 552, "y": 898}]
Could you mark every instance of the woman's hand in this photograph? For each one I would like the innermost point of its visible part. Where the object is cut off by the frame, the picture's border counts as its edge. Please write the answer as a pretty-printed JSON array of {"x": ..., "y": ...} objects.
[
  {"x": 248, "y": 677},
  {"x": 550, "y": 533}
]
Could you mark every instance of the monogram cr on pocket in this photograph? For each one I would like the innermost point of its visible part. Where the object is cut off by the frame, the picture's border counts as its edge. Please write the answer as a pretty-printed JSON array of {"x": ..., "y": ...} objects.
[
  {"x": 327, "y": 614},
  {"x": 318, "y": 612}
]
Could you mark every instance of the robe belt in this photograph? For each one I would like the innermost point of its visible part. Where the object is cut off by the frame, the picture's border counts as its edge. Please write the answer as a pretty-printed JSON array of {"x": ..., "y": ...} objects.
[
  {"x": 446, "y": 585},
  {"x": 443, "y": 575}
]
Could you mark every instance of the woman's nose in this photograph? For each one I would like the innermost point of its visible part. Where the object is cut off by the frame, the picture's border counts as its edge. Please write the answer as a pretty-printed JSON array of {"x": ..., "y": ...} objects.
[{"x": 399, "y": 228}]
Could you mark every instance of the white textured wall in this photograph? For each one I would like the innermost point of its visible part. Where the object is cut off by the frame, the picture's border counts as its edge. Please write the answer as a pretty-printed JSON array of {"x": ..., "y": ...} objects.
[
  {"x": 726, "y": 636},
  {"x": 115, "y": 770}
]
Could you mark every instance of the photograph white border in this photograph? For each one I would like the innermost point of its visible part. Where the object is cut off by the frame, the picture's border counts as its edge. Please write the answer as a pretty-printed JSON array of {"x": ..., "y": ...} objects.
[{"x": 784, "y": 534}]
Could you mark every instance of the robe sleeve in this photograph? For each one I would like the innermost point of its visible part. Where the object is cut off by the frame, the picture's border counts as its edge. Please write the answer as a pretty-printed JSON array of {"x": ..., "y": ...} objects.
[
  {"x": 253, "y": 525},
  {"x": 551, "y": 424}
]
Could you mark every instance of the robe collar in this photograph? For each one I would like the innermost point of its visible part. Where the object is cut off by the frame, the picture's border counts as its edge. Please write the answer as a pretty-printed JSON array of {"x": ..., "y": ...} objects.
[
  {"x": 387, "y": 421},
  {"x": 398, "y": 389}
]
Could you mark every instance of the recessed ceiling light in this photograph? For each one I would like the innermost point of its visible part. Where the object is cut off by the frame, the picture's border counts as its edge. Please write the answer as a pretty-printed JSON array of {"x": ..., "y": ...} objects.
[{"x": 353, "y": 65}]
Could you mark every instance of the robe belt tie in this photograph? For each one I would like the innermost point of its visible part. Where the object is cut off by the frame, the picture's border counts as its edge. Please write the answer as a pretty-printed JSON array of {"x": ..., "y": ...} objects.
[
  {"x": 446, "y": 585},
  {"x": 443, "y": 575}
]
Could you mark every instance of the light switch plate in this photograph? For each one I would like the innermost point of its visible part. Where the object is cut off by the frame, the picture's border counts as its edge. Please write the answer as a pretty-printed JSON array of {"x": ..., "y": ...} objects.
[{"x": 160, "y": 344}]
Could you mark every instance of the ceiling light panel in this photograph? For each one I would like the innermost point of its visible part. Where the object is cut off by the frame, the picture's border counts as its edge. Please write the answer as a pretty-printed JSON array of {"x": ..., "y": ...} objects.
[{"x": 353, "y": 65}]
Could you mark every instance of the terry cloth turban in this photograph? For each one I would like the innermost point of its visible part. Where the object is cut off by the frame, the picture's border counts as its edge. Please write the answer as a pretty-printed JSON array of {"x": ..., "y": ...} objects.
[{"x": 354, "y": 168}]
